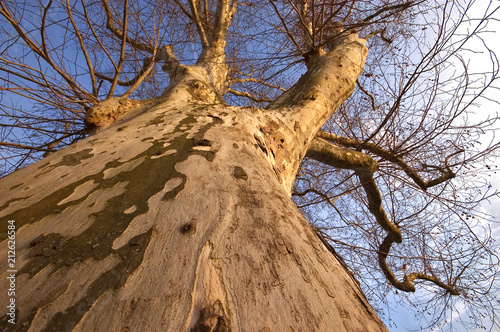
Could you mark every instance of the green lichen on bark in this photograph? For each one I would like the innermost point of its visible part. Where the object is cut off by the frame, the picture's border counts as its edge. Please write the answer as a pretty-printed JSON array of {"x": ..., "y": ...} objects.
[
  {"x": 146, "y": 179},
  {"x": 131, "y": 257}
]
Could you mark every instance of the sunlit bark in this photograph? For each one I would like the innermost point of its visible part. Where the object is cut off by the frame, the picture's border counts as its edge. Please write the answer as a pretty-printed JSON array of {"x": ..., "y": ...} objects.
[{"x": 177, "y": 216}]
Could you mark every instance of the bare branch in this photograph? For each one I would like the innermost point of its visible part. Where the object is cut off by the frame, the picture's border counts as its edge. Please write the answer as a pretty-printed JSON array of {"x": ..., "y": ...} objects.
[
  {"x": 122, "y": 51},
  {"x": 364, "y": 168},
  {"x": 447, "y": 173},
  {"x": 254, "y": 80},
  {"x": 398, "y": 7},
  {"x": 285, "y": 25},
  {"x": 25, "y": 147},
  {"x": 83, "y": 48},
  {"x": 43, "y": 52},
  {"x": 248, "y": 95},
  {"x": 195, "y": 14},
  {"x": 121, "y": 34}
]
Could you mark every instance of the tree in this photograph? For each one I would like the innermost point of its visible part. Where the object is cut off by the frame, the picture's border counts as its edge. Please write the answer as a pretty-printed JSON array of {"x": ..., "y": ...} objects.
[{"x": 175, "y": 212}]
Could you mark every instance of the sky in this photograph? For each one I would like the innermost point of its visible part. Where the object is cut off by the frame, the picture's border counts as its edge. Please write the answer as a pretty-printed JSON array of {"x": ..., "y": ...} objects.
[{"x": 403, "y": 317}]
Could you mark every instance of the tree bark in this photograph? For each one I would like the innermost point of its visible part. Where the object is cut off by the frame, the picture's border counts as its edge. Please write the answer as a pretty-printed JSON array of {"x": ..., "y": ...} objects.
[{"x": 179, "y": 218}]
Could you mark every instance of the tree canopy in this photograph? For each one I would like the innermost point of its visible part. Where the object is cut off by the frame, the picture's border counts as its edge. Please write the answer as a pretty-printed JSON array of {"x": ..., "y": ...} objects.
[{"x": 403, "y": 211}]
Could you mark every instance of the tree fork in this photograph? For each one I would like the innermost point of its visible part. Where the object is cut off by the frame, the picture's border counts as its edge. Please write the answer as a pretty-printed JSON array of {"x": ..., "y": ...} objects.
[{"x": 178, "y": 217}]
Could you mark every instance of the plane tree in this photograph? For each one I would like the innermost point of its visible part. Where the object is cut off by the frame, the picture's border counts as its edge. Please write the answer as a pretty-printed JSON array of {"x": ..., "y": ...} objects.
[{"x": 173, "y": 133}]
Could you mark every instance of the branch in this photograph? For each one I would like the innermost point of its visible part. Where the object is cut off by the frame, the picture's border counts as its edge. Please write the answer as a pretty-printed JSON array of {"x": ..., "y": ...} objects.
[
  {"x": 26, "y": 147},
  {"x": 94, "y": 33},
  {"x": 447, "y": 173},
  {"x": 84, "y": 49},
  {"x": 372, "y": 99},
  {"x": 324, "y": 198},
  {"x": 51, "y": 145},
  {"x": 307, "y": 27},
  {"x": 382, "y": 35},
  {"x": 289, "y": 34},
  {"x": 338, "y": 157},
  {"x": 146, "y": 65},
  {"x": 145, "y": 71},
  {"x": 43, "y": 52},
  {"x": 375, "y": 205},
  {"x": 30, "y": 74},
  {"x": 407, "y": 285},
  {"x": 223, "y": 16},
  {"x": 400, "y": 7},
  {"x": 122, "y": 52},
  {"x": 340, "y": 67},
  {"x": 255, "y": 80},
  {"x": 364, "y": 167},
  {"x": 248, "y": 95},
  {"x": 121, "y": 35},
  {"x": 171, "y": 64},
  {"x": 195, "y": 7}
]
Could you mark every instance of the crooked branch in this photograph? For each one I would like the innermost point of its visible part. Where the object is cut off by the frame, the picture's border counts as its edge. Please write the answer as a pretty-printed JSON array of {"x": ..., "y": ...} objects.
[
  {"x": 446, "y": 171},
  {"x": 364, "y": 167}
]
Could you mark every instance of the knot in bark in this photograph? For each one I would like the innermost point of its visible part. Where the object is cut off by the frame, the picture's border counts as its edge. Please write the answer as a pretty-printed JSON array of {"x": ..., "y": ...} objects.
[{"x": 108, "y": 111}]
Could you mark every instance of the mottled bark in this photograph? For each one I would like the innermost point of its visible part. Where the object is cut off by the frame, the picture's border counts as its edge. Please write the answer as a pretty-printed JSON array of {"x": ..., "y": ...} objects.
[{"x": 178, "y": 218}]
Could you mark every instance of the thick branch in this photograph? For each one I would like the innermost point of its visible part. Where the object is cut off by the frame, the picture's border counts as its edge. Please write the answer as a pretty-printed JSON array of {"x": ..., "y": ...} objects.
[
  {"x": 364, "y": 167},
  {"x": 375, "y": 205},
  {"x": 338, "y": 157},
  {"x": 407, "y": 285},
  {"x": 447, "y": 173},
  {"x": 306, "y": 24},
  {"x": 213, "y": 56},
  {"x": 320, "y": 84}
]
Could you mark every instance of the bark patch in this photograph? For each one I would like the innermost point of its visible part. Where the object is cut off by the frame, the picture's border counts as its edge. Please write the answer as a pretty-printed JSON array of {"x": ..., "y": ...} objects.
[
  {"x": 239, "y": 173},
  {"x": 47, "y": 245},
  {"x": 146, "y": 178},
  {"x": 74, "y": 159},
  {"x": 132, "y": 256},
  {"x": 274, "y": 147}
]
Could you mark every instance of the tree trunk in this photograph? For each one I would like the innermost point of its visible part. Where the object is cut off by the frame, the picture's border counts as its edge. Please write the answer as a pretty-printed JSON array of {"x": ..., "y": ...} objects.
[{"x": 178, "y": 218}]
